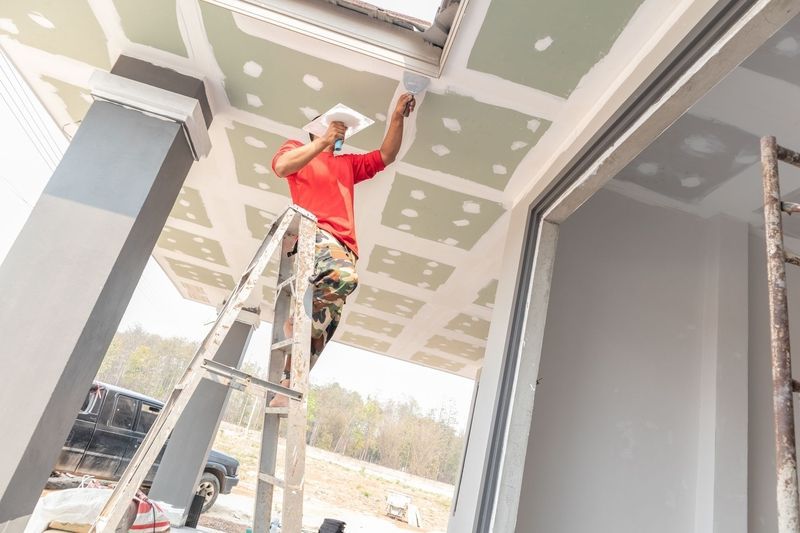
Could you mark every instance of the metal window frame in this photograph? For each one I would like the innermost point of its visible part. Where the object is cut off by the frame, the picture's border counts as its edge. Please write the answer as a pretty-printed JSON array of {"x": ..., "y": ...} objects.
[
  {"x": 398, "y": 46},
  {"x": 561, "y": 199}
]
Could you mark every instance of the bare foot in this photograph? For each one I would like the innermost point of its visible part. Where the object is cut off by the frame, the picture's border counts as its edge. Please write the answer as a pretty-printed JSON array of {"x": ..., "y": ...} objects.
[
  {"x": 288, "y": 328},
  {"x": 280, "y": 400}
]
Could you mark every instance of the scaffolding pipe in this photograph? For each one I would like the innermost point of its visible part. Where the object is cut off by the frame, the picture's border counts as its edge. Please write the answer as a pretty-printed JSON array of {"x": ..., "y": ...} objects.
[{"x": 782, "y": 382}]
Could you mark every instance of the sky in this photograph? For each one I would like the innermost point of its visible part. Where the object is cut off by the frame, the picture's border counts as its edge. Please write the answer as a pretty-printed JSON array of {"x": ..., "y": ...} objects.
[{"x": 159, "y": 308}]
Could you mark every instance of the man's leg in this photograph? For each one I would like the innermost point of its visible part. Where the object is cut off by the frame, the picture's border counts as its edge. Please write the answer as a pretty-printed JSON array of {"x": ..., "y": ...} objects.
[{"x": 335, "y": 279}]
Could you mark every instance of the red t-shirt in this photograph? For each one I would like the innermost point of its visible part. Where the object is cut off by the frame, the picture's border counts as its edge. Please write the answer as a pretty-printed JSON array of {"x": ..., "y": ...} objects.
[{"x": 325, "y": 187}]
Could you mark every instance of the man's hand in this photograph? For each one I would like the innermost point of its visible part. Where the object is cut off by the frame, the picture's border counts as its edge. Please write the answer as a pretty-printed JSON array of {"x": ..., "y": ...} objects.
[
  {"x": 405, "y": 105},
  {"x": 336, "y": 131}
]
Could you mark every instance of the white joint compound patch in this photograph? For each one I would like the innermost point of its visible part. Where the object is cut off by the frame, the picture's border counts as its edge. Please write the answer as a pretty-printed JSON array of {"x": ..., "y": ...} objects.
[
  {"x": 703, "y": 144},
  {"x": 452, "y": 124},
  {"x": 254, "y": 100},
  {"x": 534, "y": 124},
  {"x": 440, "y": 150},
  {"x": 258, "y": 168},
  {"x": 309, "y": 112},
  {"x": 499, "y": 169},
  {"x": 418, "y": 195},
  {"x": 410, "y": 213},
  {"x": 41, "y": 20},
  {"x": 380, "y": 117},
  {"x": 450, "y": 241},
  {"x": 471, "y": 207},
  {"x": 255, "y": 143},
  {"x": 788, "y": 47},
  {"x": 543, "y": 44},
  {"x": 313, "y": 82},
  {"x": 518, "y": 145},
  {"x": 461, "y": 223},
  {"x": 648, "y": 169},
  {"x": 8, "y": 26},
  {"x": 691, "y": 182},
  {"x": 253, "y": 69}
]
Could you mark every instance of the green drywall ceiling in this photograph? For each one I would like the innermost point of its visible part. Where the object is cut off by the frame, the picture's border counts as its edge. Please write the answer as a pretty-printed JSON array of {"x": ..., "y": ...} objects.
[
  {"x": 374, "y": 324},
  {"x": 470, "y": 325},
  {"x": 190, "y": 206},
  {"x": 438, "y": 214},
  {"x": 177, "y": 240},
  {"x": 253, "y": 150},
  {"x": 76, "y": 99},
  {"x": 201, "y": 274},
  {"x": 363, "y": 341},
  {"x": 437, "y": 362},
  {"x": 475, "y": 141},
  {"x": 289, "y": 86},
  {"x": 258, "y": 221},
  {"x": 152, "y": 23},
  {"x": 486, "y": 295},
  {"x": 388, "y": 301},
  {"x": 545, "y": 44},
  {"x": 61, "y": 27},
  {"x": 408, "y": 268},
  {"x": 454, "y": 347}
]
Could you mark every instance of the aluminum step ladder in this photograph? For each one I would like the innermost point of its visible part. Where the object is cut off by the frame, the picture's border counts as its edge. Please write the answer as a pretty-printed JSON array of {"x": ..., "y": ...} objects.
[
  {"x": 782, "y": 382},
  {"x": 294, "y": 230}
]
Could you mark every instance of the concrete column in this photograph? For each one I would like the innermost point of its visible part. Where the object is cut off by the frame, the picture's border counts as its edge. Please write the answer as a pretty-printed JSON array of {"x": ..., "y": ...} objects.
[
  {"x": 71, "y": 272},
  {"x": 188, "y": 448}
]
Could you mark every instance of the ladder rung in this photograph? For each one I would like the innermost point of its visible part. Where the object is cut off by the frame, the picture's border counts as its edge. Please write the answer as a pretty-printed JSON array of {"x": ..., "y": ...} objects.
[
  {"x": 284, "y": 283},
  {"x": 248, "y": 380},
  {"x": 272, "y": 480},
  {"x": 280, "y": 411},
  {"x": 282, "y": 344},
  {"x": 792, "y": 259},
  {"x": 790, "y": 207}
]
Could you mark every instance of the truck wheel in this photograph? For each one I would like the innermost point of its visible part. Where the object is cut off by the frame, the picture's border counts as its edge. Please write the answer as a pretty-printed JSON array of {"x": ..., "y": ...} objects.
[{"x": 209, "y": 489}]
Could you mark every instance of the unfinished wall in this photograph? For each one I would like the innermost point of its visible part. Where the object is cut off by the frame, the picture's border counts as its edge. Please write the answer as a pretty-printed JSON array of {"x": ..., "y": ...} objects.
[{"x": 639, "y": 421}]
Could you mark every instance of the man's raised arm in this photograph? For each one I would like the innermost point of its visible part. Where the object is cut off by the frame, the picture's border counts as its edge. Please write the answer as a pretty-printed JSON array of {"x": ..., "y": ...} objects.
[
  {"x": 394, "y": 135},
  {"x": 295, "y": 159}
]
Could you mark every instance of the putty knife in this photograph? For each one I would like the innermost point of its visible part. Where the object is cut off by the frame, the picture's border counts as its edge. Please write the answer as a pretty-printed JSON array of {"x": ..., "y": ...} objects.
[{"x": 415, "y": 84}]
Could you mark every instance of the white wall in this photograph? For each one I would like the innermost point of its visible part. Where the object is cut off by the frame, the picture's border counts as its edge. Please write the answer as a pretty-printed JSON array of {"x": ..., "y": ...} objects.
[{"x": 640, "y": 416}]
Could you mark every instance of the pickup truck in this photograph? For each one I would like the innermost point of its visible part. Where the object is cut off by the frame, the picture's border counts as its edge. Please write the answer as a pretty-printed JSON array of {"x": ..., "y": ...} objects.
[{"x": 110, "y": 426}]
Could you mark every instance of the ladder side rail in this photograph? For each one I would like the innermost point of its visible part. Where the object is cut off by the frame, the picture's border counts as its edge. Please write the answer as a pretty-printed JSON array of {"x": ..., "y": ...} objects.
[
  {"x": 782, "y": 382},
  {"x": 302, "y": 312},
  {"x": 269, "y": 432},
  {"x": 114, "y": 510}
]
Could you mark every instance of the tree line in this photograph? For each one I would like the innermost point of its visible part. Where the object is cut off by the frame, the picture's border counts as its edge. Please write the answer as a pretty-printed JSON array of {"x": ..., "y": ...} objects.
[{"x": 392, "y": 433}]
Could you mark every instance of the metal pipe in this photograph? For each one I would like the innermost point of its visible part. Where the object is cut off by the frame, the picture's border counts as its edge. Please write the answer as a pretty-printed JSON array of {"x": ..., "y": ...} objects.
[
  {"x": 782, "y": 382},
  {"x": 788, "y": 156}
]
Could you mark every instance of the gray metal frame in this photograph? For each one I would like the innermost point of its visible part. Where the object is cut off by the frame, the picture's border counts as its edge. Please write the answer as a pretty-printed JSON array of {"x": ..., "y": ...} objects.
[{"x": 713, "y": 26}]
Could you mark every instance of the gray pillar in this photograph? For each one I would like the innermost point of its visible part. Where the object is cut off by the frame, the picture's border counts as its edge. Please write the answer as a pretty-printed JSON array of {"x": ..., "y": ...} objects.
[
  {"x": 188, "y": 448},
  {"x": 70, "y": 274}
]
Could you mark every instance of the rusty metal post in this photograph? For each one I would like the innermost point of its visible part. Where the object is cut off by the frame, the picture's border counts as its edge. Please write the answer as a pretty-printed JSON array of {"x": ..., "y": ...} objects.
[{"x": 785, "y": 450}]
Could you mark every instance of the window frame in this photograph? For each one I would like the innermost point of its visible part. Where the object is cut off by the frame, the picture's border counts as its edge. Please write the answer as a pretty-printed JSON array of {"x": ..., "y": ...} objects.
[
  {"x": 135, "y": 401},
  {"x": 354, "y": 31}
]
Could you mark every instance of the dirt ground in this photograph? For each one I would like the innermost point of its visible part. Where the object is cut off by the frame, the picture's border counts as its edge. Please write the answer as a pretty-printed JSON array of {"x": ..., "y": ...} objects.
[{"x": 336, "y": 487}]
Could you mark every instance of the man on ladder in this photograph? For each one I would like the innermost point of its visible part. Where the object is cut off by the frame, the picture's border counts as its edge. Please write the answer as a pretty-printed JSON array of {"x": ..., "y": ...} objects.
[{"x": 323, "y": 184}]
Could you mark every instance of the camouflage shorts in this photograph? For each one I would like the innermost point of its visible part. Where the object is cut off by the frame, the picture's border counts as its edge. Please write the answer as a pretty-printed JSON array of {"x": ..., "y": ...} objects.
[{"x": 335, "y": 278}]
